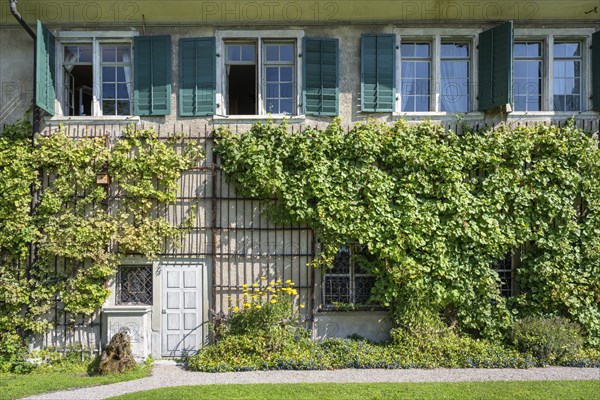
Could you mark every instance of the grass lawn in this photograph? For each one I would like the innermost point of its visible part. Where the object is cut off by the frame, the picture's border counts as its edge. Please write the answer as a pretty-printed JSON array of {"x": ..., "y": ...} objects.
[
  {"x": 531, "y": 390},
  {"x": 13, "y": 386}
]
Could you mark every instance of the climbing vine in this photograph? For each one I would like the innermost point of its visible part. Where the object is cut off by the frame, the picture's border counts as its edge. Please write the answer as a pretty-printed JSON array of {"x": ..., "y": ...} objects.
[
  {"x": 435, "y": 211},
  {"x": 98, "y": 202}
]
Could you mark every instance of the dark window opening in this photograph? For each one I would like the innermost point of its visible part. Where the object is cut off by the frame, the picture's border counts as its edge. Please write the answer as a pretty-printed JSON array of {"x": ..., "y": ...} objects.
[
  {"x": 504, "y": 268},
  {"x": 242, "y": 89},
  {"x": 78, "y": 90}
]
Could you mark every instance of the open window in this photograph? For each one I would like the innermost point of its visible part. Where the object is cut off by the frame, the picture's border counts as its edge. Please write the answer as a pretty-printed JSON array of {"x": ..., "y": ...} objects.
[
  {"x": 259, "y": 73},
  {"x": 102, "y": 73}
]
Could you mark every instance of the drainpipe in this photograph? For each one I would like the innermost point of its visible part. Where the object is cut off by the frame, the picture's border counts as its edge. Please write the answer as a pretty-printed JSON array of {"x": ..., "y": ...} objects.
[
  {"x": 35, "y": 125},
  {"x": 19, "y": 18}
]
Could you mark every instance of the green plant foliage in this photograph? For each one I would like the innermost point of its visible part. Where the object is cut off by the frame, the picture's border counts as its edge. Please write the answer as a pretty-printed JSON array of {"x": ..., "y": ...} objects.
[
  {"x": 76, "y": 223},
  {"x": 436, "y": 210},
  {"x": 549, "y": 340},
  {"x": 444, "y": 349}
]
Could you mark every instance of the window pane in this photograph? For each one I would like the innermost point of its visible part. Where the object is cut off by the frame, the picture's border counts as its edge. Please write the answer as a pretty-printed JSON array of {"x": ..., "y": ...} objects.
[
  {"x": 108, "y": 91},
  {"x": 108, "y": 107},
  {"x": 286, "y": 90},
  {"x": 422, "y": 50},
  {"x": 123, "y": 107},
  {"x": 233, "y": 53},
  {"x": 123, "y": 54},
  {"x": 109, "y": 54},
  {"x": 422, "y": 69},
  {"x": 108, "y": 74},
  {"x": 122, "y": 91},
  {"x": 455, "y": 50},
  {"x": 272, "y": 53},
  {"x": 407, "y": 50},
  {"x": 286, "y": 52},
  {"x": 248, "y": 52},
  {"x": 272, "y": 74},
  {"x": 286, "y": 74},
  {"x": 85, "y": 54},
  {"x": 285, "y": 106},
  {"x": 272, "y": 90},
  {"x": 121, "y": 74},
  {"x": 272, "y": 106}
]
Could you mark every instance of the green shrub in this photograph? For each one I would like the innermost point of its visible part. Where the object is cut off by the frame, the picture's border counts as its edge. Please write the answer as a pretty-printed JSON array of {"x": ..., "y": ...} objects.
[
  {"x": 443, "y": 349},
  {"x": 548, "y": 339}
]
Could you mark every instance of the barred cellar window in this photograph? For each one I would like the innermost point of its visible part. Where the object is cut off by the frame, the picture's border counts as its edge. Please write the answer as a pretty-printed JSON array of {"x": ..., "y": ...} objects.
[
  {"x": 347, "y": 283},
  {"x": 504, "y": 268},
  {"x": 134, "y": 285}
]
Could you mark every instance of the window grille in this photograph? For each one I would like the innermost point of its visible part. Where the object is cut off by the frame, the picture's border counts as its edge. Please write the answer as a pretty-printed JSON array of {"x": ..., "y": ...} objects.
[
  {"x": 347, "y": 282},
  {"x": 134, "y": 285}
]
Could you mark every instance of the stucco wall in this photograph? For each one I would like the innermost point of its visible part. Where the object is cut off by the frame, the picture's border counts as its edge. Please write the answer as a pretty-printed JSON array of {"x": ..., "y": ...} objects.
[{"x": 16, "y": 70}]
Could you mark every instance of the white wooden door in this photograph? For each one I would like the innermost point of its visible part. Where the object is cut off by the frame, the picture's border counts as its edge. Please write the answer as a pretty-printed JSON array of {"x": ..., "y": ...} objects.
[{"x": 183, "y": 308}]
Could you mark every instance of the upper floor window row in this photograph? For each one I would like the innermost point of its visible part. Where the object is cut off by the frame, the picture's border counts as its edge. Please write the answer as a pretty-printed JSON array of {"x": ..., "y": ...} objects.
[
  {"x": 460, "y": 71},
  {"x": 286, "y": 73}
]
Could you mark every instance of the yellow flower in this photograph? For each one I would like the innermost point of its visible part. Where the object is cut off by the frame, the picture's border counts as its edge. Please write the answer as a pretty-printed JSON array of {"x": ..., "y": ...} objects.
[
  {"x": 258, "y": 307},
  {"x": 255, "y": 285},
  {"x": 294, "y": 292},
  {"x": 247, "y": 305},
  {"x": 289, "y": 282},
  {"x": 254, "y": 296},
  {"x": 236, "y": 309},
  {"x": 278, "y": 281},
  {"x": 263, "y": 278},
  {"x": 245, "y": 286},
  {"x": 273, "y": 301},
  {"x": 274, "y": 296},
  {"x": 302, "y": 305}
]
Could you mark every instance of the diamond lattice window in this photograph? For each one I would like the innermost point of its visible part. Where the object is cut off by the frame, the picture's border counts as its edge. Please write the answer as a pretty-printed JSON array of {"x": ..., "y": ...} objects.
[{"x": 134, "y": 285}]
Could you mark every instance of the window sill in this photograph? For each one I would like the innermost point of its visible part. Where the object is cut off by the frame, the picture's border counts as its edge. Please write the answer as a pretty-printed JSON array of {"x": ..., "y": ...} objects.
[
  {"x": 362, "y": 309},
  {"x": 251, "y": 119},
  {"x": 578, "y": 115},
  {"x": 91, "y": 120},
  {"x": 127, "y": 309},
  {"x": 438, "y": 116}
]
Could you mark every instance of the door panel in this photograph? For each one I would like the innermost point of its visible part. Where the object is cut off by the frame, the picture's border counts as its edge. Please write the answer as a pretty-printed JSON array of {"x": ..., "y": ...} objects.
[{"x": 184, "y": 305}]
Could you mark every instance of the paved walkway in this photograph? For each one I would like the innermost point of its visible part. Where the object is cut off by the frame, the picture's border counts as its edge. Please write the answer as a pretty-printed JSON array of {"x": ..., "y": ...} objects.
[{"x": 171, "y": 375}]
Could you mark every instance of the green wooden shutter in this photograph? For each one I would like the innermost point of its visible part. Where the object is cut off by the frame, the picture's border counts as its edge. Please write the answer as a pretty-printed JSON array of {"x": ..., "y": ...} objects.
[
  {"x": 378, "y": 67},
  {"x": 197, "y": 76},
  {"x": 321, "y": 76},
  {"x": 45, "y": 94},
  {"x": 152, "y": 79},
  {"x": 596, "y": 71},
  {"x": 495, "y": 67}
]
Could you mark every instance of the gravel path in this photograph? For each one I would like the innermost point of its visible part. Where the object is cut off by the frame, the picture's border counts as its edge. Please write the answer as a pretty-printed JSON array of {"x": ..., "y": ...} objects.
[{"x": 171, "y": 375}]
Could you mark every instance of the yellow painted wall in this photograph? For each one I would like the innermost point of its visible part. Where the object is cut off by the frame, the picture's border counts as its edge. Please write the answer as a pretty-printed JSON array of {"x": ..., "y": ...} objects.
[{"x": 297, "y": 12}]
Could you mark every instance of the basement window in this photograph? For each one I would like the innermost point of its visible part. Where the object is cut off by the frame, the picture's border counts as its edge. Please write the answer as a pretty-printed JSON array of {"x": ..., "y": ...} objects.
[{"x": 347, "y": 284}]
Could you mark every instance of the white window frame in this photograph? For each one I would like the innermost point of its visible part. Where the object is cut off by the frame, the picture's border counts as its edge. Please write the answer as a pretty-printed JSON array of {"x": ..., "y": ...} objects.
[
  {"x": 547, "y": 37},
  {"x": 435, "y": 37},
  {"x": 260, "y": 37},
  {"x": 96, "y": 38}
]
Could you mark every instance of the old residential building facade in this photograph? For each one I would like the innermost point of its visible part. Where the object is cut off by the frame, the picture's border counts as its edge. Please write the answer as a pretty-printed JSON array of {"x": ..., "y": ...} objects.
[{"x": 183, "y": 66}]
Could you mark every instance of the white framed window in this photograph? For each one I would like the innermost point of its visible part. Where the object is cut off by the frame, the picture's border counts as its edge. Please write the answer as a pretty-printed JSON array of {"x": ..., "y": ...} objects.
[
  {"x": 258, "y": 73},
  {"x": 94, "y": 72},
  {"x": 346, "y": 283},
  {"x": 436, "y": 71},
  {"x": 528, "y": 75},
  {"x": 552, "y": 70}
]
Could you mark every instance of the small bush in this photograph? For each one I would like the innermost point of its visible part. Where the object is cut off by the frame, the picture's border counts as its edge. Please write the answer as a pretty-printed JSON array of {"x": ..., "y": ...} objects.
[{"x": 549, "y": 339}]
